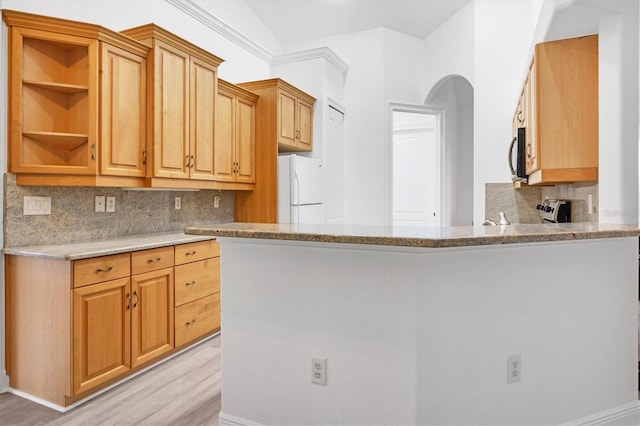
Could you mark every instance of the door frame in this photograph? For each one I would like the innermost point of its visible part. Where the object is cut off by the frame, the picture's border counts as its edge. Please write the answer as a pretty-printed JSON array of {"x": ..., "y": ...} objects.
[{"x": 388, "y": 169}]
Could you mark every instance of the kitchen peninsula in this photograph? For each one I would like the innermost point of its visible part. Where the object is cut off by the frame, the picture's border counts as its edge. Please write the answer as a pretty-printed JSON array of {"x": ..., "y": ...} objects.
[{"x": 417, "y": 324}]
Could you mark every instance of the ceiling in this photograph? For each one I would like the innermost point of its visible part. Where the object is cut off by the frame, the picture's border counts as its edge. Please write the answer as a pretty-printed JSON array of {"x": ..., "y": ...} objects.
[{"x": 298, "y": 21}]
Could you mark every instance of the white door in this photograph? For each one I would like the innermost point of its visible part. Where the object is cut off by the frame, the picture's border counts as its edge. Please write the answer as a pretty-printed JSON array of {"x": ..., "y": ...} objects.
[
  {"x": 416, "y": 169},
  {"x": 334, "y": 155}
]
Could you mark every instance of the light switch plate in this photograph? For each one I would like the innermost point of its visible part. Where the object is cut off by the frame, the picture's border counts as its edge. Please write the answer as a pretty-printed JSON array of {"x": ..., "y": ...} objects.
[
  {"x": 36, "y": 206},
  {"x": 111, "y": 204}
]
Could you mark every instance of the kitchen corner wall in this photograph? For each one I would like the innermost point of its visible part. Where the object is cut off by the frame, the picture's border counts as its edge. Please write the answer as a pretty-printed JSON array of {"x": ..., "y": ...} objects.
[
  {"x": 73, "y": 217},
  {"x": 519, "y": 205}
]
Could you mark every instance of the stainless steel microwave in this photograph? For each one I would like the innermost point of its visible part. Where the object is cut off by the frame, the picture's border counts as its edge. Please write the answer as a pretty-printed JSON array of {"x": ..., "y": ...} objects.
[{"x": 517, "y": 156}]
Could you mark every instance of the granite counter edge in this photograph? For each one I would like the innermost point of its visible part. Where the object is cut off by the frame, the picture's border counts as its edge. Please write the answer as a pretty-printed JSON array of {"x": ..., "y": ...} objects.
[
  {"x": 418, "y": 242},
  {"x": 78, "y": 251}
]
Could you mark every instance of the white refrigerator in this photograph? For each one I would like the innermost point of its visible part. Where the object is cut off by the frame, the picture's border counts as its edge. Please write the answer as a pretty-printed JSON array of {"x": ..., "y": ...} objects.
[{"x": 300, "y": 190}]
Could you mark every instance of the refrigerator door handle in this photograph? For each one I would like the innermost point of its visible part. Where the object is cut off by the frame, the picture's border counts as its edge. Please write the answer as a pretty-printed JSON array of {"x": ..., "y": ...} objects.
[{"x": 295, "y": 191}]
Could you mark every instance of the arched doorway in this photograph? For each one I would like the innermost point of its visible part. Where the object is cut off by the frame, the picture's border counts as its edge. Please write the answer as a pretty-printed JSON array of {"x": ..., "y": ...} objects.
[{"x": 453, "y": 95}]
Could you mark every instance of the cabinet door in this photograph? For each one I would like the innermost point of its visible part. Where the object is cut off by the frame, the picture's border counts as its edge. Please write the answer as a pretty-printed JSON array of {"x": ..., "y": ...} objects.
[
  {"x": 305, "y": 127},
  {"x": 245, "y": 151},
  {"x": 101, "y": 339},
  {"x": 286, "y": 119},
  {"x": 171, "y": 112},
  {"x": 151, "y": 315},
  {"x": 224, "y": 140},
  {"x": 204, "y": 89},
  {"x": 532, "y": 154},
  {"x": 123, "y": 112}
]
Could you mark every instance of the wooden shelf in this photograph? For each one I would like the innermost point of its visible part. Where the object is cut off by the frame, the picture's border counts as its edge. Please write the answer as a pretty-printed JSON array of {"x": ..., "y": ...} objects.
[
  {"x": 57, "y": 87},
  {"x": 62, "y": 141}
]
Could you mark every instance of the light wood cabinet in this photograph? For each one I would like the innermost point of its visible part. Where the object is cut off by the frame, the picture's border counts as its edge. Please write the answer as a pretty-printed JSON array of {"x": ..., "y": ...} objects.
[
  {"x": 235, "y": 141},
  {"x": 76, "y": 103},
  {"x": 151, "y": 315},
  {"x": 181, "y": 109},
  {"x": 74, "y": 327},
  {"x": 284, "y": 122},
  {"x": 101, "y": 333},
  {"x": 560, "y": 104},
  {"x": 197, "y": 290},
  {"x": 289, "y": 114}
]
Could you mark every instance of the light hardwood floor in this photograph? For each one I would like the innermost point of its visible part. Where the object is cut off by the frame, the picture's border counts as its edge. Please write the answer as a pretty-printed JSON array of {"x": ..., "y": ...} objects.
[{"x": 183, "y": 391}]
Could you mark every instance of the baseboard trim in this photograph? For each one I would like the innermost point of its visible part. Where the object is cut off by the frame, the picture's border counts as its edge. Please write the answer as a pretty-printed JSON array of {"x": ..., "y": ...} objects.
[
  {"x": 632, "y": 408},
  {"x": 105, "y": 389},
  {"x": 229, "y": 420},
  {"x": 4, "y": 382}
]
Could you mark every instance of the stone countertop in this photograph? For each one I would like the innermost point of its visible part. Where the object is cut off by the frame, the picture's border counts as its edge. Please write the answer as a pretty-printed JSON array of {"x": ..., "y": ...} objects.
[
  {"x": 428, "y": 237},
  {"x": 94, "y": 248}
]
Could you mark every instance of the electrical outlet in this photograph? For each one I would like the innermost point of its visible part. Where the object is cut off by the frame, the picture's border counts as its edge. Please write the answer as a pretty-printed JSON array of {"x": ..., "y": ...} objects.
[
  {"x": 36, "y": 206},
  {"x": 319, "y": 371},
  {"x": 178, "y": 203},
  {"x": 100, "y": 203},
  {"x": 514, "y": 368},
  {"x": 111, "y": 204},
  {"x": 216, "y": 201}
]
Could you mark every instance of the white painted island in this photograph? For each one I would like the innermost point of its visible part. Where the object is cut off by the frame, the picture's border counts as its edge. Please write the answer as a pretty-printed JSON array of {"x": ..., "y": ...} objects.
[{"x": 417, "y": 324}]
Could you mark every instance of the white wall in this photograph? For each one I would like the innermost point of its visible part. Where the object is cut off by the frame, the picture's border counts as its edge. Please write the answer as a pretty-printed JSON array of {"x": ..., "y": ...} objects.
[
  {"x": 618, "y": 76},
  {"x": 365, "y": 123},
  {"x": 411, "y": 337},
  {"x": 501, "y": 54}
]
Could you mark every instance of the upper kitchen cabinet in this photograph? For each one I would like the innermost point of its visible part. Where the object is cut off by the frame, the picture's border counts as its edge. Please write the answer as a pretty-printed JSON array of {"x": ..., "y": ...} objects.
[
  {"x": 283, "y": 123},
  {"x": 77, "y": 112},
  {"x": 181, "y": 110},
  {"x": 558, "y": 107},
  {"x": 285, "y": 113},
  {"x": 235, "y": 141}
]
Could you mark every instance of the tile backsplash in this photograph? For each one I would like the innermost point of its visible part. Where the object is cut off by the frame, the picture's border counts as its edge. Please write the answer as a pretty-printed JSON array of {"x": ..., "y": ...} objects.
[
  {"x": 520, "y": 204},
  {"x": 73, "y": 217}
]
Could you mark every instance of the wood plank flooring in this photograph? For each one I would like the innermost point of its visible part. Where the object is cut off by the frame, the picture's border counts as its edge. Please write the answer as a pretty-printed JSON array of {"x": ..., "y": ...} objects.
[{"x": 183, "y": 391}]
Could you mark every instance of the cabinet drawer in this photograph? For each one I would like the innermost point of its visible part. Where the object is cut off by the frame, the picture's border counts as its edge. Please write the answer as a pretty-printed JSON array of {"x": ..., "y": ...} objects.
[
  {"x": 197, "y": 318},
  {"x": 151, "y": 260},
  {"x": 195, "y": 280},
  {"x": 99, "y": 269},
  {"x": 193, "y": 252}
]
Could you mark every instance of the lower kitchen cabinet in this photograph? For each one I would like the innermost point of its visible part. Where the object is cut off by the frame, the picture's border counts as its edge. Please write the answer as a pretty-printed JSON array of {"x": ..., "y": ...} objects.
[
  {"x": 151, "y": 315},
  {"x": 101, "y": 333},
  {"x": 74, "y": 327},
  {"x": 197, "y": 292}
]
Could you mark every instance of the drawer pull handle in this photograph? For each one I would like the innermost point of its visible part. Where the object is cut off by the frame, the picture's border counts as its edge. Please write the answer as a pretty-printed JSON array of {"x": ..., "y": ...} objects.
[
  {"x": 191, "y": 322},
  {"x": 190, "y": 253},
  {"x": 109, "y": 269},
  {"x": 128, "y": 297},
  {"x": 135, "y": 293},
  {"x": 156, "y": 260},
  {"x": 190, "y": 284}
]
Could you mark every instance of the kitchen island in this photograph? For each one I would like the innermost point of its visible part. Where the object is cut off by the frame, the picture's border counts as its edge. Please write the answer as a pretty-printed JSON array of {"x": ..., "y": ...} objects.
[{"x": 417, "y": 324}]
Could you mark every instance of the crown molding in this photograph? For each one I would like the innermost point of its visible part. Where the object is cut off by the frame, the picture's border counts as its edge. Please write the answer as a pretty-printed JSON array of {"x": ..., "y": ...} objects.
[
  {"x": 204, "y": 16},
  {"x": 221, "y": 27},
  {"x": 317, "y": 53}
]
